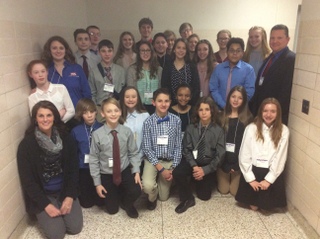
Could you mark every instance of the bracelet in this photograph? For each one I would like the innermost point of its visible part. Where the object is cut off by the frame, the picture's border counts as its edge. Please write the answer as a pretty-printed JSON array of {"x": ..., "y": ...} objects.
[{"x": 161, "y": 170}]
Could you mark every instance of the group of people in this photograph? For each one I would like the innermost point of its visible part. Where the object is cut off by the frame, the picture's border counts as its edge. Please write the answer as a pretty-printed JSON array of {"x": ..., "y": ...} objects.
[{"x": 106, "y": 126}]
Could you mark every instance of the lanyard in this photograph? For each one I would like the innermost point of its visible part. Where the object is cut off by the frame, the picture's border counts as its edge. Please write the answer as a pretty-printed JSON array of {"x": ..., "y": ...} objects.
[{"x": 89, "y": 134}]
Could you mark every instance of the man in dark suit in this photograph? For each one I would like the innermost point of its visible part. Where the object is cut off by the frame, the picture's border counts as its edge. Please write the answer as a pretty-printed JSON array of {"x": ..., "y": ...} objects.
[{"x": 275, "y": 75}]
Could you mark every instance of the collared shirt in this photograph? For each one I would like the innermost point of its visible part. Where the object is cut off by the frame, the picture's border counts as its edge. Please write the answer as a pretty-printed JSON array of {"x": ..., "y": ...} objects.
[
  {"x": 82, "y": 133},
  {"x": 92, "y": 59},
  {"x": 145, "y": 84},
  {"x": 263, "y": 154},
  {"x": 135, "y": 121},
  {"x": 97, "y": 82},
  {"x": 73, "y": 78},
  {"x": 101, "y": 151},
  {"x": 151, "y": 130},
  {"x": 58, "y": 95},
  {"x": 242, "y": 74}
]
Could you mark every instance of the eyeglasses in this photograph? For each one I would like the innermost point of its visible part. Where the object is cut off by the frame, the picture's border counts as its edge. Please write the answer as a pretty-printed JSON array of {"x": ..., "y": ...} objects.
[
  {"x": 145, "y": 51},
  {"x": 223, "y": 39},
  {"x": 232, "y": 51},
  {"x": 94, "y": 34}
]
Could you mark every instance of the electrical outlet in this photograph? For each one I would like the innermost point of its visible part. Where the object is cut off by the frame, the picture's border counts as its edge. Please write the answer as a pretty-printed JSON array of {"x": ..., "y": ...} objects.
[{"x": 305, "y": 106}]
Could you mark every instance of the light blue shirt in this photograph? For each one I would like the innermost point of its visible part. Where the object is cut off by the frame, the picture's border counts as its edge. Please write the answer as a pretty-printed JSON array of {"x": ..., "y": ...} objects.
[
  {"x": 242, "y": 74},
  {"x": 135, "y": 121}
]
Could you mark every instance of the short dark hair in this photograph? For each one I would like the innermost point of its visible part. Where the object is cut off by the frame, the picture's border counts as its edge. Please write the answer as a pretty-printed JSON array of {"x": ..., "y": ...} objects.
[
  {"x": 159, "y": 34},
  {"x": 146, "y": 21},
  {"x": 79, "y": 31},
  {"x": 105, "y": 42},
  {"x": 235, "y": 40},
  {"x": 161, "y": 91},
  {"x": 92, "y": 26},
  {"x": 281, "y": 27}
]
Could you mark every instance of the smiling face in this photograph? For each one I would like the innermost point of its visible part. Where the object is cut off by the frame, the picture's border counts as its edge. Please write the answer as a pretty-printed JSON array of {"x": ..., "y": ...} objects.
[
  {"x": 269, "y": 114},
  {"x": 203, "y": 51},
  {"x": 160, "y": 45},
  {"x": 106, "y": 54},
  {"x": 131, "y": 99},
  {"x": 39, "y": 74},
  {"x": 192, "y": 44},
  {"x": 83, "y": 42},
  {"x": 278, "y": 40},
  {"x": 183, "y": 96},
  {"x": 255, "y": 38},
  {"x": 58, "y": 51},
  {"x": 204, "y": 113},
  {"x": 222, "y": 40},
  {"x": 111, "y": 113},
  {"x": 162, "y": 104},
  {"x": 45, "y": 119},
  {"x": 145, "y": 53},
  {"x": 180, "y": 50},
  {"x": 127, "y": 42},
  {"x": 236, "y": 100},
  {"x": 145, "y": 31},
  {"x": 170, "y": 41}
]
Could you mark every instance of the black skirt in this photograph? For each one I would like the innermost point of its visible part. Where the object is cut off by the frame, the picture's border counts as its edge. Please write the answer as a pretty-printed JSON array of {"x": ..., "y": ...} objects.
[{"x": 274, "y": 197}]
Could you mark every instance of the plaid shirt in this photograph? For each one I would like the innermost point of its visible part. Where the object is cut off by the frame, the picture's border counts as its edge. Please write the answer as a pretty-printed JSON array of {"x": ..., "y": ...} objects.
[{"x": 152, "y": 129}]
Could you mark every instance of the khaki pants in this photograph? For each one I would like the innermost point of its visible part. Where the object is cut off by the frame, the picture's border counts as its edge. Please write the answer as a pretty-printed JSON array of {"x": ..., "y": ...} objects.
[
  {"x": 154, "y": 183},
  {"x": 228, "y": 182}
]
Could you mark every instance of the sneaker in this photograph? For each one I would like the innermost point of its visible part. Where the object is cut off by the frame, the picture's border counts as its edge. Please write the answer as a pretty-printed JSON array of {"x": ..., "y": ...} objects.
[
  {"x": 182, "y": 207},
  {"x": 152, "y": 205}
]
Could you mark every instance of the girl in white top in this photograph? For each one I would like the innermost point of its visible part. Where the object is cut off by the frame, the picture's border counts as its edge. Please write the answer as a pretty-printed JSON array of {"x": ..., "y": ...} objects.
[
  {"x": 133, "y": 113},
  {"x": 262, "y": 158},
  {"x": 125, "y": 55},
  {"x": 55, "y": 93}
]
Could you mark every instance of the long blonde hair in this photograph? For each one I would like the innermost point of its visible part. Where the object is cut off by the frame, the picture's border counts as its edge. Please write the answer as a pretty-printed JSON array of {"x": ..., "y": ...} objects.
[
  {"x": 276, "y": 130},
  {"x": 264, "y": 44}
]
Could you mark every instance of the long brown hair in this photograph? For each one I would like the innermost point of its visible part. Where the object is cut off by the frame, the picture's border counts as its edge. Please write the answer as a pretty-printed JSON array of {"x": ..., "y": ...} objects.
[
  {"x": 139, "y": 106},
  {"x": 153, "y": 62},
  {"x": 244, "y": 113},
  {"x": 46, "y": 54},
  {"x": 276, "y": 130},
  {"x": 211, "y": 59},
  {"x": 83, "y": 106},
  {"x": 29, "y": 70},
  {"x": 58, "y": 123},
  {"x": 121, "y": 49},
  {"x": 213, "y": 109},
  {"x": 265, "y": 50}
]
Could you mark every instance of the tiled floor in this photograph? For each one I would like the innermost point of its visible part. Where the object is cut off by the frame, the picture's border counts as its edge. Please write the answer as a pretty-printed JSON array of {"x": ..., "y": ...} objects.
[{"x": 219, "y": 217}]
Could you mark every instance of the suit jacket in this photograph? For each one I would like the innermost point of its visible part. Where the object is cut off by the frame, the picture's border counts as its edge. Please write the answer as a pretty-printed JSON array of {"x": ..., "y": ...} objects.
[
  {"x": 30, "y": 172},
  {"x": 277, "y": 84}
]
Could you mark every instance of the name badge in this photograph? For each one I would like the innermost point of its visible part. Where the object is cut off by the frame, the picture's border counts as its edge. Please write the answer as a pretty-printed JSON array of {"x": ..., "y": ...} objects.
[
  {"x": 261, "y": 80},
  {"x": 163, "y": 140},
  {"x": 86, "y": 158},
  {"x": 195, "y": 154},
  {"x": 230, "y": 147},
  {"x": 262, "y": 163},
  {"x": 108, "y": 87},
  {"x": 148, "y": 95},
  {"x": 110, "y": 162}
]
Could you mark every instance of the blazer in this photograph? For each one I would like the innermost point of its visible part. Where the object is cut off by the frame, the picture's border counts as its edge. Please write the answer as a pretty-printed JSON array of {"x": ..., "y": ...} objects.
[
  {"x": 277, "y": 83},
  {"x": 30, "y": 172}
]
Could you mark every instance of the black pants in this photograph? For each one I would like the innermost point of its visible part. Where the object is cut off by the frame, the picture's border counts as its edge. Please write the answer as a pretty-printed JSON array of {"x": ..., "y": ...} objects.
[
  {"x": 182, "y": 174},
  {"x": 88, "y": 194},
  {"x": 126, "y": 193}
]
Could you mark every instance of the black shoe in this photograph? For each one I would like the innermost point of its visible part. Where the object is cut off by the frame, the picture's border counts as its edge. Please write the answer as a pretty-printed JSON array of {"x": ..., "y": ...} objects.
[
  {"x": 152, "y": 205},
  {"x": 182, "y": 207},
  {"x": 132, "y": 212}
]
